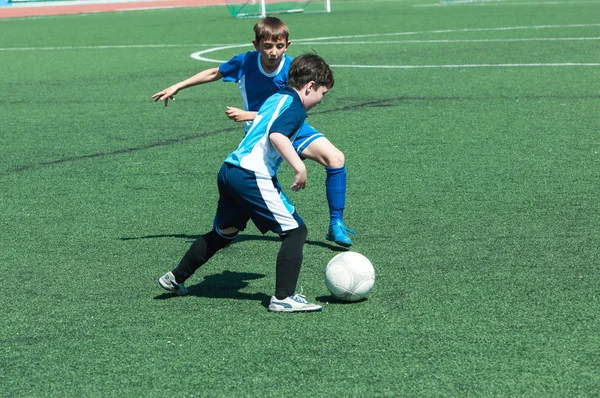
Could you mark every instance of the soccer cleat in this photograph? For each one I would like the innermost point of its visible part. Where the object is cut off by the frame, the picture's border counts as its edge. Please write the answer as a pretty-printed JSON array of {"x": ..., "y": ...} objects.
[
  {"x": 338, "y": 233},
  {"x": 295, "y": 303},
  {"x": 167, "y": 282}
]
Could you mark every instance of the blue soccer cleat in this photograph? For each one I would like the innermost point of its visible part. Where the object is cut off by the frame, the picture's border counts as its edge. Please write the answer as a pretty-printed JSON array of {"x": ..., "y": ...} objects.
[{"x": 338, "y": 233}]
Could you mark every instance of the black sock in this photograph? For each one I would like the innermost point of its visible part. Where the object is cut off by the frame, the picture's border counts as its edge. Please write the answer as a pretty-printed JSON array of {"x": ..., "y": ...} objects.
[
  {"x": 289, "y": 261},
  {"x": 199, "y": 253}
]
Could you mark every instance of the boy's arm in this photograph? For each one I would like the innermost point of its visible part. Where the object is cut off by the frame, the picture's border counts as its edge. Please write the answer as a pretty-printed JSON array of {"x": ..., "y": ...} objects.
[
  {"x": 284, "y": 146},
  {"x": 206, "y": 76},
  {"x": 240, "y": 115}
]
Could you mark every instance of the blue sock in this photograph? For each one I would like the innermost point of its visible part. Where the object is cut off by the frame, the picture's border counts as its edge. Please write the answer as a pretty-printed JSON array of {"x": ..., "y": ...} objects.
[{"x": 335, "y": 187}]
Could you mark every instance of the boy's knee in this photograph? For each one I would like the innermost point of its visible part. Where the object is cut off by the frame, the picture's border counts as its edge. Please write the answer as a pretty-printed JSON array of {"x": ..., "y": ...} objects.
[
  {"x": 334, "y": 159},
  {"x": 217, "y": 240},
  {"x": 324, "y": 153},
  {"x": 338, "y": 160},
  {"x": 228, "y": 232},
  {"x": 300, "y": 234}
]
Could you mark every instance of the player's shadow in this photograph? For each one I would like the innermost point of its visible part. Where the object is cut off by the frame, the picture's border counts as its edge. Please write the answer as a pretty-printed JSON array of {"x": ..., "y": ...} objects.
[
  {"x": 239, "y": 239},
  {"x": 224, "y": 285},
  {"x": 334, "y": 300}
]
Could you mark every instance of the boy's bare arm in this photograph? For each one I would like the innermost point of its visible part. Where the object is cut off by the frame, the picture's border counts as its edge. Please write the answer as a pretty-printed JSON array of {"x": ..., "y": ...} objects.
[
  {"x": 206, "y": 76},
  {"x": 288, "y": 153},
  {"x": 240, "y": 115}
]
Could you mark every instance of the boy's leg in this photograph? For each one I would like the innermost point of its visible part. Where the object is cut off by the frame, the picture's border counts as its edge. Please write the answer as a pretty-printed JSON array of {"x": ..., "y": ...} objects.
[
  {"x": 324, "y": 152},
  {"x": 229, "y": 219},
  {"x": 271, "y": 210},
  {"x": 289, "y": 262},
  {"x": 313, "y": 145},
  {"x": 196, "y": 256},
  {"x": 200, "y": 252}
]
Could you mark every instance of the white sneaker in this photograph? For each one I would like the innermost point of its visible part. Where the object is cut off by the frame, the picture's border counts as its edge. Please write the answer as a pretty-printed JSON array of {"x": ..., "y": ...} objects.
[
  {"x": 167, "y": 282},
  {"x": 295, "y": 303}
]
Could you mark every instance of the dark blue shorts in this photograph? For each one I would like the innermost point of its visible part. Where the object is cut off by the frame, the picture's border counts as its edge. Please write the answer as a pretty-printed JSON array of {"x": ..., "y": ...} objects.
[{"x": 244, "y": 195}]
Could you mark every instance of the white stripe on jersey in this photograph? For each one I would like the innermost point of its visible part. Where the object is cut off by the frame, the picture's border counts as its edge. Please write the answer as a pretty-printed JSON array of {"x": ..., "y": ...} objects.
[
  {"x": 263, "y": 158},
  {"x": 276, "y": 205},
  {"x": 242, "y": 86},
  {"x": 277, "y": 111}
]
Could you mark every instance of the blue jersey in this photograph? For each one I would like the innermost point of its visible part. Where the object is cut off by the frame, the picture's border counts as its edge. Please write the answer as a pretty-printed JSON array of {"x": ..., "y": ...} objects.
[
  {"x": 255, "y": 84},
  {"x": 282, "y": 113}
]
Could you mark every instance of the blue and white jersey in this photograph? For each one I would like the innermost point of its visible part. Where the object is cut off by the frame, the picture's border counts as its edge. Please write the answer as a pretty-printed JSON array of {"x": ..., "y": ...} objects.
[
  {"x": 282, "y": 113},
  {"x": 255, "y": 84}
]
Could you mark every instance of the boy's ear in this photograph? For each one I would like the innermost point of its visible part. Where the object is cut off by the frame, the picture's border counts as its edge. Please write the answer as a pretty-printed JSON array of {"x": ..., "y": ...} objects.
[
  {"x": 255, "y": 43},
  {"x": 309, "y": 87},
  {"x": 287, "y": 45}
]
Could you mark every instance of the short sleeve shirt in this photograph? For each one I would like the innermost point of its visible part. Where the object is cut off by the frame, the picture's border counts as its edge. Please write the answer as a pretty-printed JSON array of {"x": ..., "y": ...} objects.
[
  {"x": 282, "y": 113},
  {"x": 255, "y": 84}
]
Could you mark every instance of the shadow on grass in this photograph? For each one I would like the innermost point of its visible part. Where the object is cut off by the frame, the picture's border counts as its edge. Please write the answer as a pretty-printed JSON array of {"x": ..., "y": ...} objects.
[
  {"x": 239, "y": 239},
  {"x": 334, "y": 300},
  {"x": 224, "y": 285}
]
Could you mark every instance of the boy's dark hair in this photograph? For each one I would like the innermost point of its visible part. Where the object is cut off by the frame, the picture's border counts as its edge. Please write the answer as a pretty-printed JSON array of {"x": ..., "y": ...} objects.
[
  {"x": 271, "y": 28},
  {"x": 310, "y": 67}
]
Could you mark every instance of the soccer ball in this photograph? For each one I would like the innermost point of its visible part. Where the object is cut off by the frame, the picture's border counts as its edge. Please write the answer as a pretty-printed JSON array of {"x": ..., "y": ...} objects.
[{"x": 349, "y": 276}]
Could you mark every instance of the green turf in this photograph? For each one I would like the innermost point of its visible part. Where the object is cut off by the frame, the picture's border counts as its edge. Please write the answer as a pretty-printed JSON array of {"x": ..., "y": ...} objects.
[{"x": 474, "y": 191}]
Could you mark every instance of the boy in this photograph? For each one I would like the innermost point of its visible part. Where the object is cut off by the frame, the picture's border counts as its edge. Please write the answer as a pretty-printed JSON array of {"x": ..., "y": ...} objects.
[
  {"x": 260, "y": 74},
  {"x": 249, "y": 190}
]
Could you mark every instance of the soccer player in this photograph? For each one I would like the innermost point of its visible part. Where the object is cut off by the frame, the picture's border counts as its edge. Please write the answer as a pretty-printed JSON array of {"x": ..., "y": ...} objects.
[
  {"x": 259, "y": 74},
  {"x": 249, "y": 190}
]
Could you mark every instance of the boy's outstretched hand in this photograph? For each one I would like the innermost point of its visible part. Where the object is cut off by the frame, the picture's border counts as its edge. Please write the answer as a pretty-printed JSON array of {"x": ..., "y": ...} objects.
[
  {"x": 166, "y": 95},
  {"x": 239, "y": 115}
]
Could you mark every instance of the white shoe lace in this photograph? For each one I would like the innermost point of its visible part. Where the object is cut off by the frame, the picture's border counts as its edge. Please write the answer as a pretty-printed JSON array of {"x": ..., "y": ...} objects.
[{"x": 299, "y": 297}]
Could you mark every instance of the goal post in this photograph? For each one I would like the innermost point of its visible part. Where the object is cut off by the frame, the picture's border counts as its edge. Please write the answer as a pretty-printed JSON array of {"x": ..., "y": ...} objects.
[{"x": 262, "y": 8}]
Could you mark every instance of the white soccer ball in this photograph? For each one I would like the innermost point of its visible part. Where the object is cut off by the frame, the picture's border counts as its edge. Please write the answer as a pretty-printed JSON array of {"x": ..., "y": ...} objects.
[{"x": 349, "y": 276}]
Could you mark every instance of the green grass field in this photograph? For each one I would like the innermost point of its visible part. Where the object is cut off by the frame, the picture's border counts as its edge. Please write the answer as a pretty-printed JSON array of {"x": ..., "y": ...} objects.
[{"x": 471, "y": 135}]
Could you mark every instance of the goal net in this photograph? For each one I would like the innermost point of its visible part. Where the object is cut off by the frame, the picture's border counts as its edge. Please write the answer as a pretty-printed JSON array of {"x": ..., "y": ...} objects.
[{"x": 262, "y": 8}]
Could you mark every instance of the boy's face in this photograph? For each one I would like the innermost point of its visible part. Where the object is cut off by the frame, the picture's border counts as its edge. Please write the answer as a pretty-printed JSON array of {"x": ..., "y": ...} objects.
[
  {"x": 271, "y": 52},
  {"x": 314, "y": 96}
]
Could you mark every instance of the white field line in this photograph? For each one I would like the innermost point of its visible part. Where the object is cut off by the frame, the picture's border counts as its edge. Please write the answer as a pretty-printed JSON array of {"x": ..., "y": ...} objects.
[
  {"x": 454, "y": 41},
  {"x": 446, "y": 31},
  {"x": 108, "y": 47},
  {"x": 327, "y": 41},
  {"x": 307, "y": 42},
  {"x": 318, "y": 39},
  {"x": 462, "y": 66}
]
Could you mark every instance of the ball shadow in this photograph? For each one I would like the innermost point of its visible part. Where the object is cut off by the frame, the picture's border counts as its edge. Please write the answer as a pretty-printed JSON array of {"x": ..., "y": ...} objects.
[{"x": 334, "y": 300}]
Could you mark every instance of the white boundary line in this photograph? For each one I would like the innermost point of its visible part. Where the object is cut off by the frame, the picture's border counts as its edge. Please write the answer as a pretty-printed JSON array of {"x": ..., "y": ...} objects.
[
  {"x": 308, "y": 42},
  {"x": 460, "y": 66},
  {"x": 199, "y": 55},
  {"x": 109, "y": 47},
  {"x": 338, "y": 43}
]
